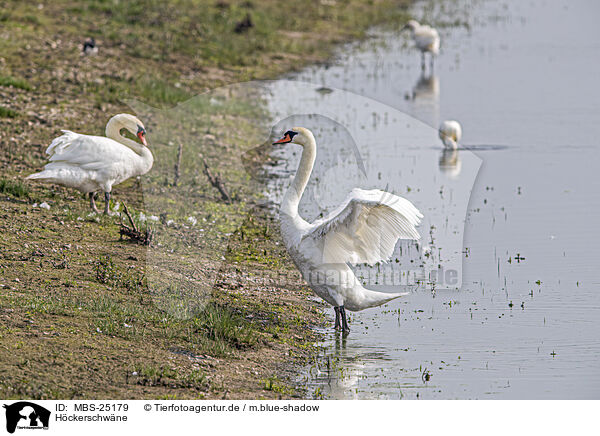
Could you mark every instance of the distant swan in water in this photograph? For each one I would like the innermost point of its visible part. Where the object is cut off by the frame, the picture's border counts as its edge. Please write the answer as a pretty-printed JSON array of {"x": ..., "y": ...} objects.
[
  {"x": 450, "y": 133},
  {"x": 426, "y": 39},
  {"x": 364, "y": 229},
  {"x": 97, "y": 163}
]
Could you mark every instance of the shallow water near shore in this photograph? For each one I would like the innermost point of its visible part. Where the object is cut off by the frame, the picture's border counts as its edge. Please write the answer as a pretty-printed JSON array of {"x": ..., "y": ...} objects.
[{"x": 512, "y": 213}]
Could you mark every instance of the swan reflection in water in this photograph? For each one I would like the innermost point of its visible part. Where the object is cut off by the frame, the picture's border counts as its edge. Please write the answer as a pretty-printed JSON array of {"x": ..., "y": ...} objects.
[
  {"x": 344, "y": 384},
  {"x": 343, "y": 370},
  {"x": 426, "y": 88},
  {"x": 424, "y": 98},
  {"x": 450, "y": 164}
]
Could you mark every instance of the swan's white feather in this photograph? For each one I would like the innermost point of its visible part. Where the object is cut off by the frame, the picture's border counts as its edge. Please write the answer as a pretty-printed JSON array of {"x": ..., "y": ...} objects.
[
  {"x": 366, "y": 227},
  {"x": 93, "y": 152},
  {"x": 90, "y": 163},
  {"x": 427, "y": 39},
  {"x": 450, "y": 133}
]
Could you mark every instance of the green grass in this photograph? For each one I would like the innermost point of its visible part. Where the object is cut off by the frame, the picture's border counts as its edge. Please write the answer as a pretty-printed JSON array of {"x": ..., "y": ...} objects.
[
  {"x": 8, "y": 113},
  {"x": 150, "y": 88},
  {"x": 215, "y": 329},
  {"x": 222, "y": 326},
  {"x": 157, "y": 91},
  {"x": 106, "y": 272},
  {"x": 149, "y": 375},
  {"x": 14, "y": 82},
  {"x": 102, "y": 297},
  {"x": 204, "y": 29},
  {"x": 14, "y": 188},
  {"x": 275, "y": 385},
  {"x": 154, "y": 41}
]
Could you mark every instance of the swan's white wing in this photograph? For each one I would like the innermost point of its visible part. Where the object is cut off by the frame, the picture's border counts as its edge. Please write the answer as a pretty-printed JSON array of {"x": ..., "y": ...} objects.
[
  {"x": 86, "y": 151},
  {"x": 365, "y": 228}
]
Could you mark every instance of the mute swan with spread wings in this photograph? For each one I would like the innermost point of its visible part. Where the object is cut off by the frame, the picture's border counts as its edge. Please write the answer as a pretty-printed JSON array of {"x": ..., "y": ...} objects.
[
  {"x": 363, "y": 229},
  {"x": 97, "y": 163}
]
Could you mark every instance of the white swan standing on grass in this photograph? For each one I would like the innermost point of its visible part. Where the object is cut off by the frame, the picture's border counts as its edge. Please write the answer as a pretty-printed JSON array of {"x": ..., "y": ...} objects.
[
  {"x": 426, "y": 39},
  {"x": 450, "y": 133},
  {"x": 97, "y": 163},
  {"x": 364, "y": 229}
]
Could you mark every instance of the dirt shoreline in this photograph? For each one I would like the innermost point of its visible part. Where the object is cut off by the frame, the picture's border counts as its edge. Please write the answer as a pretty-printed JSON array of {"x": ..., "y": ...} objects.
[{"x": 77, "y": 317}]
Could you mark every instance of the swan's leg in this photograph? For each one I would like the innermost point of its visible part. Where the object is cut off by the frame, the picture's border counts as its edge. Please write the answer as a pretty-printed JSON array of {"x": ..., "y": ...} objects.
[
  {"x": 107, "y": 204},
  {"x": 431, "y": 64},
  {"x": 93, "y": 203},
  {"x": 423, "y": 61},
  {"x": 337, "y": 318},
  {"x": 345, "y": 327}
]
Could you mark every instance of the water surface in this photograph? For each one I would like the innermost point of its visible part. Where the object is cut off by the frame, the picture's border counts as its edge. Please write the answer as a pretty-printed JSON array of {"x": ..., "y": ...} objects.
[{"x": 515, "y": 214}]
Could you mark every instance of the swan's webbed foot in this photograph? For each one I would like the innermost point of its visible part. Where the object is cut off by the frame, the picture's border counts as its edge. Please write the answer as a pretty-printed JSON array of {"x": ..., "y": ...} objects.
[
  {"x": 337, "y": 325},
  {"x": 107, "y": 204},
  {"x": 345, "y": 327},
  {"x": 93, "y": 203}
]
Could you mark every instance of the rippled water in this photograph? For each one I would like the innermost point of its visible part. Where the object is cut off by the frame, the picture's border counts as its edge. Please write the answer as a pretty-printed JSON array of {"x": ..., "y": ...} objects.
[{"x": 521, "y": 322}]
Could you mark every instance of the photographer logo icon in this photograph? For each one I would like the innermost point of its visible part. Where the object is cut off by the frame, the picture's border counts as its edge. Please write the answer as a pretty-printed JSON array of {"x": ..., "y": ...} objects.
[{"x": 26, "y": 415}]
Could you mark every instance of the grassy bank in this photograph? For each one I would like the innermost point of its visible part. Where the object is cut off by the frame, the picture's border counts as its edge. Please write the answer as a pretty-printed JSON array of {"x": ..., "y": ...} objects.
[{"x": 200, "y": 313}]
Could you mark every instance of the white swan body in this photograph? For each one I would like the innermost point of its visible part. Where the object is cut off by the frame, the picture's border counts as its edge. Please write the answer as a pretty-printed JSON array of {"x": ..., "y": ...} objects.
[
  {"x": 450, "y": 133},
  {"x": 96, "y": 163},
  {"x": 364, "y": 229},
  {"x": 426, "y": 39}
]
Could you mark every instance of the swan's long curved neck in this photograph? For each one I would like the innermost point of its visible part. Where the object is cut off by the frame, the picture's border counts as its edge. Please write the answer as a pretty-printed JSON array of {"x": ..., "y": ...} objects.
[
  {"x": 450, "y": 144},
  {"x": 113, "y": 131},
  {"x": 294, "y": 194}
]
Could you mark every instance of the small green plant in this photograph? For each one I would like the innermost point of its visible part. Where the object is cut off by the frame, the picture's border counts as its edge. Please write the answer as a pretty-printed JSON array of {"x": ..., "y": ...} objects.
[
  {"x": 134, "y": 283},
  {"x": 106, "y": 271},
  {"x": 154, "y": 375},
  {"x": 273, "y": 384},
  {"x": 14, "y": 188},
  {"x": 222, "y": 326},
  {"x": 318, "y": 394},
  {"x": 149, "y": 375},
  {"x": 15, "y": 83},
  {"x": 167, "y": 397},
  {"x": 196, "y": 379},
  {"x": 7, "y": 113}
]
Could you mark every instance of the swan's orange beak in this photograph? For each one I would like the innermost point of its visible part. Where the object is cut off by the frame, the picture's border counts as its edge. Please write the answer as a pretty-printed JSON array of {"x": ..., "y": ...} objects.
[
  {"x": 284, "y": 140},
  {"x": 142, "y": 137}
]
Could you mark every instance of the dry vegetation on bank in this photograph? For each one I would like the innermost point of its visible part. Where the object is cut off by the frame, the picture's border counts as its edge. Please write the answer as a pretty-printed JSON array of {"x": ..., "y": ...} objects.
[{"x": 78, "y": 317}]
